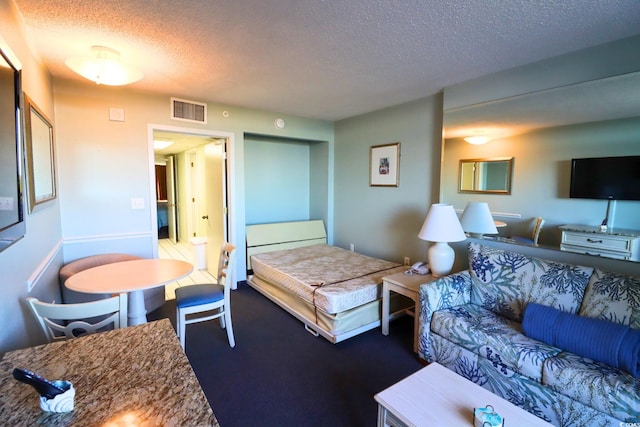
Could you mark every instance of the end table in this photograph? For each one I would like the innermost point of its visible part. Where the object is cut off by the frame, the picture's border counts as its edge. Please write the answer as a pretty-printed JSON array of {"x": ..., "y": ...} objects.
[{"x": 407, "y": 285}]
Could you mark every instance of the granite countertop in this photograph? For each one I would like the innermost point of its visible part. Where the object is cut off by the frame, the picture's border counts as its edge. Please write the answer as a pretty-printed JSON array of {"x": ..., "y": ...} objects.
[{"x": 133, "y": 376}]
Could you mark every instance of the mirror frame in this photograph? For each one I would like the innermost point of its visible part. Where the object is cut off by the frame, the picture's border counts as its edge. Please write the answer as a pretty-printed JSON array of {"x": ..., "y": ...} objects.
[
  {"x": 40, "y": 155},
  {"x": 487, "y": 160}
]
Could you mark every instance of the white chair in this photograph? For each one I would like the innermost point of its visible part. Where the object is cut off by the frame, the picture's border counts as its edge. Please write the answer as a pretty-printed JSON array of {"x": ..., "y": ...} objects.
[
  {"x": 207, "y": 298},
  {"x": 536, "y": 227},
  {"x": 63, "y": 321}
]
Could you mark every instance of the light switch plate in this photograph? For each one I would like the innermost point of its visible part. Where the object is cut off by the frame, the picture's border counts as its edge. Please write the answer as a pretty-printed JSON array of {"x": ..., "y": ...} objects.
[
  {"x": 137, "y": 203},
  {"x": 116, "y": 114},
  {"x": 6, "y": 204}
]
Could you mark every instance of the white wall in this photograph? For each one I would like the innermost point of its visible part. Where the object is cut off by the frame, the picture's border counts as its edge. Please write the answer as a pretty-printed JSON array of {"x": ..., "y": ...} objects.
[
  {"x": 104, "y": 164},
  {"x": 37, "y": 257}
]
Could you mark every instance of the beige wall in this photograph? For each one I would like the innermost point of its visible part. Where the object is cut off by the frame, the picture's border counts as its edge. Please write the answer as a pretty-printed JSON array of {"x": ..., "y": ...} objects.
[
  {"x": 385, "y": 221},
  {"x": 541, "y": 176}
]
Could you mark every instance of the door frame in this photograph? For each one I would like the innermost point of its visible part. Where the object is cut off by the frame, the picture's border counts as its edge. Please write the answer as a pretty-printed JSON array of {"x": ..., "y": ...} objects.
[{"x": 153, "y": 209}]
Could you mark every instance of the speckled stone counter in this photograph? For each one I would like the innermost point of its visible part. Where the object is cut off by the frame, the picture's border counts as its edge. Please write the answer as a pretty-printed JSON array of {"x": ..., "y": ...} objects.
[{"x": 133, "y": 376}]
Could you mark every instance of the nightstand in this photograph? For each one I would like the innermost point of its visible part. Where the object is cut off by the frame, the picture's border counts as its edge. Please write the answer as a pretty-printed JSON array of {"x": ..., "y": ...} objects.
[{"x": 407, "y": 285}]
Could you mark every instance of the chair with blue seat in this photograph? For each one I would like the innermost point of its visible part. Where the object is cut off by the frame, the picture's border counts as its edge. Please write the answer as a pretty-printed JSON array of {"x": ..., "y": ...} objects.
[
  {"x": 535, "y": 228},
  {"x": 211, "y": 299}
]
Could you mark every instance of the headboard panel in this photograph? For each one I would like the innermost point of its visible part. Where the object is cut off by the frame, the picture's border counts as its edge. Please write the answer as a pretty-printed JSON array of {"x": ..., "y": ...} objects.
[{"x": 283, "y": 235}]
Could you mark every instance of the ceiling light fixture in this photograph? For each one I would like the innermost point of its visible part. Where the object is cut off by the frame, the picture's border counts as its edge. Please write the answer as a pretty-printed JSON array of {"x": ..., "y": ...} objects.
[
  {"x": 104, "y": 67},
  {"x": 477, "y": 140},
  {"x": 161, "y": 144}
]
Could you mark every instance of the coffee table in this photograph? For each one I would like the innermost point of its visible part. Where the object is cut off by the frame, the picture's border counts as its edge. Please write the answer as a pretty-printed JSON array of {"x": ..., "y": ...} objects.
[
  {"x": 436, "y": 396},
  {"x": 132, "y": 277}
]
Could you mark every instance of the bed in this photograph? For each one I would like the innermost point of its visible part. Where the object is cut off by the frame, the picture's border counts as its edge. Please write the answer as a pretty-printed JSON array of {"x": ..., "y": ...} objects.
[{"x": 336, "y": 293}]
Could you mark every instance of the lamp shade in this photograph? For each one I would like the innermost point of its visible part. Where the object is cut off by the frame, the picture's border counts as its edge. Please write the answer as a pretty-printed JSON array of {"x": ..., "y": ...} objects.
[
  {"x": 442, "y": 225},
  {"x": 477, "y": 220}
]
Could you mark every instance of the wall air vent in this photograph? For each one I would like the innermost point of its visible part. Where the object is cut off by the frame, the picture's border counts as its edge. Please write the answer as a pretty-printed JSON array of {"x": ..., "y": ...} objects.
[{"x": 188, "y": 111}]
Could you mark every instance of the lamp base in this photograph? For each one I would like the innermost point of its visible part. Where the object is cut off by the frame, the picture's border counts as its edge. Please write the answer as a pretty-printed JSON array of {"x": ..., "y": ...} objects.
[{"x": 441, "y": 257}]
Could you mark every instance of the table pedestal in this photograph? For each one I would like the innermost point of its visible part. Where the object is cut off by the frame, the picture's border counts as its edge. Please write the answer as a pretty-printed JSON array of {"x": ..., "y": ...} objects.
[
  {"x": 136, "y": 312},
  {"x": 132, "y": 277}
]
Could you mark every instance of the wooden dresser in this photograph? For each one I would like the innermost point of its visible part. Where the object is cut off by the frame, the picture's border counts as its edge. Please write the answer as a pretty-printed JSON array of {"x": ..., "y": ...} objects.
[{"x": 613, "y": 243}]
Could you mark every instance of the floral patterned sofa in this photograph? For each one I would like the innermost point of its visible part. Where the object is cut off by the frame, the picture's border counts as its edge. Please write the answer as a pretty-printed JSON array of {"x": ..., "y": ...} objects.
[{"x": 471, "y": 322}]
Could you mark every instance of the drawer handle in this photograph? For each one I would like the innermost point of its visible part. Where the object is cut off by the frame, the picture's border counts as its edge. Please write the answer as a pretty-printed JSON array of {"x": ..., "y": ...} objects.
[{"x": 594, "y": 241}]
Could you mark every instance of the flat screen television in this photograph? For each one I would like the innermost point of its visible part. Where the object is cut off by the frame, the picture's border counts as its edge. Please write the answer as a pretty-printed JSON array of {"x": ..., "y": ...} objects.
[{"x": 615, "y": 178}]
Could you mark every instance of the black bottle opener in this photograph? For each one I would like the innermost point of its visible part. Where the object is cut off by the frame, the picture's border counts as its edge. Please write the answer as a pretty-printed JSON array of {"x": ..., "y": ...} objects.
[{"x": 42, "y": 385}]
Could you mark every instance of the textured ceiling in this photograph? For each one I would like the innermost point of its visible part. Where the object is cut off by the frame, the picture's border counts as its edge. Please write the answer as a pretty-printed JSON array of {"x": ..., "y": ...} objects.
[{"x": 319, "y": 58}]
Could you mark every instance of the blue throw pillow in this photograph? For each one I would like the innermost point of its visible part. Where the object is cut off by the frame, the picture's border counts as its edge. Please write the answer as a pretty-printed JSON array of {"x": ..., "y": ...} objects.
[{"x": 607, "y": 342}]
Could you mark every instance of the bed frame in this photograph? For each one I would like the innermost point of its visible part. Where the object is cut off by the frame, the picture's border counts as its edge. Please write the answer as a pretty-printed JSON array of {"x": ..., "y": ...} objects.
[{"x": 263, "y": 238}]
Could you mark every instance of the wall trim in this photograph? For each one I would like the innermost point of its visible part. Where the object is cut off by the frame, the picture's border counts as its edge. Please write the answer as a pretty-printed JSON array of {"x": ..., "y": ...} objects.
[
  {"x": 497, "y": 214},
  {"x": 32, "y": 281},
  {"x": 102, "y": 237}
]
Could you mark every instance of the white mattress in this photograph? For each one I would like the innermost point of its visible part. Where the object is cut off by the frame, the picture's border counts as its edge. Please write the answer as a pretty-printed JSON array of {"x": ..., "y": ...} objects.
[{"x": 341, "y": 279}]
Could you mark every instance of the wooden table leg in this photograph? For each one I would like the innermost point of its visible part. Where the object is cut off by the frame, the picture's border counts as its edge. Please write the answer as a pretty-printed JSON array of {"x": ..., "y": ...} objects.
[{"x": 385, "y": 308}]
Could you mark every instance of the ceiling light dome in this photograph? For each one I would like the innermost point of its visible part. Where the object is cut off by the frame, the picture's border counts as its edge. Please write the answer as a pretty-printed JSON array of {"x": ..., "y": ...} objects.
[
  {"x": 104, "y": 67},
  {"x": 477, "y": 140}
]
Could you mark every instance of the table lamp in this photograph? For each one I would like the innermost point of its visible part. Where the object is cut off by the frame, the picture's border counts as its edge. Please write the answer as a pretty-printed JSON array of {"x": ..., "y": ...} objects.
[
  {"x": 441, "y": 226},
  {"x": 477, "y": 220}
]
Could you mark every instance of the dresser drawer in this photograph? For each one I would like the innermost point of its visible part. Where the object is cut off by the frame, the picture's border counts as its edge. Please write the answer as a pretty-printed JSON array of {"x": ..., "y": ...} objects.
[
  {"x": 591, "y": 251},
  {"x": 598, "y": 241}
]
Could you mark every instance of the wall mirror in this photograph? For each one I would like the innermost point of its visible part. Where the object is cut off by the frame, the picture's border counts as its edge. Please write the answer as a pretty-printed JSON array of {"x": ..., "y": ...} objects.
[
  {"x": 595, "y": 114},
  {"x": 40, "y": 155},
  {"x": 485, "y": 175}
]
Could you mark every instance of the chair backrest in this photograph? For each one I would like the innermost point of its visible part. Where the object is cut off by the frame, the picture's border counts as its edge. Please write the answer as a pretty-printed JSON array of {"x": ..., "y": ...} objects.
[
  {"x": 537, "y": 226},
  {"x": 226, "y": 264},
  {"x": 63, "y": 321}
]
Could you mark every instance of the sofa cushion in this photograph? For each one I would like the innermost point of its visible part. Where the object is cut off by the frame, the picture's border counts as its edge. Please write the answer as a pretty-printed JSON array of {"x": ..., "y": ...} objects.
[
  {"x": 594, "y": 384},
  {"x": 613, "y": 297},
  {"x": 504, "y": 282},
  {"x": 466, "y": 325},
  {"x": 528, "y": 394},
  {"x": 494, "y": 337}
]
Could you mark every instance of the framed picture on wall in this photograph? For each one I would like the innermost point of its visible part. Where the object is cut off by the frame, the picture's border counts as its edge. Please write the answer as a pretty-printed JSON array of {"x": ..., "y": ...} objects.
[{"x": 384, "y": 165}]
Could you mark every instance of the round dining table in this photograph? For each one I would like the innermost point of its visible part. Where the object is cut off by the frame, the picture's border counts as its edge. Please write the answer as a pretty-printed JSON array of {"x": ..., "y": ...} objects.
[{"x": 132, "y": 277}]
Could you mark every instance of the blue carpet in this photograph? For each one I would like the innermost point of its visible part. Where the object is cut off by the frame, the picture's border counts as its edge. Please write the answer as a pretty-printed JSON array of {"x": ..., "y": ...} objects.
[{"x": 280, "y": 375}]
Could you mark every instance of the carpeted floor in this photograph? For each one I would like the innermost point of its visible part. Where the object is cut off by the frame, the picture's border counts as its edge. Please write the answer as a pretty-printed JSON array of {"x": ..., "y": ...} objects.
[{"x": 280, "y": 375}]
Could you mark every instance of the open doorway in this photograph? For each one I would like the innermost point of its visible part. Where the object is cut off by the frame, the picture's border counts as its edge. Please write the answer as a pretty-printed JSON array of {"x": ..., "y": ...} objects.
[{"x": 191, "y": 189}]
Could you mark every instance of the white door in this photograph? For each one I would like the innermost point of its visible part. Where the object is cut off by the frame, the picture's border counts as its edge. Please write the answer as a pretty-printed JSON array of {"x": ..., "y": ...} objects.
[
  {"x": 214, "y": 204},
  {"x": 172, "y": 204}
]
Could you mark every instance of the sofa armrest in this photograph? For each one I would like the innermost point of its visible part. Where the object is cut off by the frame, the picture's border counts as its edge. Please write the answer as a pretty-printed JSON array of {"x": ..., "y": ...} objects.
[{"x": 445, "y": 292}]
